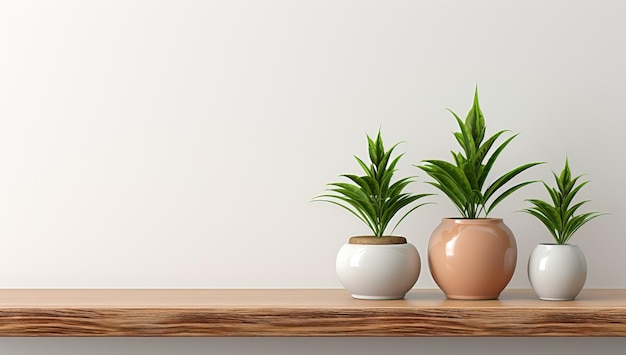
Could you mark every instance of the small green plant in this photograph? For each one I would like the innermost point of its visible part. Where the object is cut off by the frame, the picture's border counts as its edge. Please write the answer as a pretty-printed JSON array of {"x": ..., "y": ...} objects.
[
  {"x": 373, "y": 198},
  {"x": 464, "y": 180},
  {"x": 559, "y": 217}
]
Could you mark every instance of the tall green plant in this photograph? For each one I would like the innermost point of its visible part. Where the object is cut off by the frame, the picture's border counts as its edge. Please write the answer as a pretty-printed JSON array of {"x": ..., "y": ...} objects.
[
  {"x": 463, "y": 181},
  {"x": 372, "y": 197},
  {"x": 559, "y": 217}
]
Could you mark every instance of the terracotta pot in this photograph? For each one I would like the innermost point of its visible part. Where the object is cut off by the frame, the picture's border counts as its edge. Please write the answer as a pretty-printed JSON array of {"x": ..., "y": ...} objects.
[
  {"x": 378, "y": 267},
  {"x": 472, "y": 258}
]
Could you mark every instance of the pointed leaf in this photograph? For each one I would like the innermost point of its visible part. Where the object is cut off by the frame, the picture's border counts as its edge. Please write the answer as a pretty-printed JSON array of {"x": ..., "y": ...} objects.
[
  {"x": 496, "y": 185},
  {"x": 505, "y": 194}
]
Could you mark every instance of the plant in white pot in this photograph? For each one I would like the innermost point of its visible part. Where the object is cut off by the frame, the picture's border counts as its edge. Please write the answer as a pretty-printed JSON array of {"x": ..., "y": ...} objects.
[
  {"x": 379, "y": 266},
  {"x": 557, "y": 271},
  {"x": 472, "y": 256}
]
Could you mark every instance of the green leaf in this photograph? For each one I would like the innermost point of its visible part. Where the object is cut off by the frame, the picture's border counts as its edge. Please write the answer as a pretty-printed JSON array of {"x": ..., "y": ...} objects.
[
  {"x": 506, "y": 194},
  {"x": 549, "y": 211},
  {"x": 567, "y": 199},
  {"x": 565, "y": 177},
  {"x": 463, "y": 181},
  {"x": 554, "y": 194},
  {"x": 475, "y": 121},
  {"x": 501, "y": 181},
  {"x": 561, "y": 219},
  {"x": 459, "y": 159},
  {"x": 545, "y": 220},
  {"x": 366, "y": 169},
  {"x": 468, "y": 140},
  {"x": 569, "y": 212},
  {"x": 470, "y": 173},
  {"x": 367, "y": 188},
  {"x": 355, "y": 196},
  {"x": 492, "y": 159},
  {"x": 576, "y": 222},
  {"x": 486, "y": 146},
  {"x": 355, "y": 212},
  {"x": 411, "y": 210},
  {"x": 374, "y": 198},
  {"x": 455, "y": 174},
  {"x": 460, "y": 139}
]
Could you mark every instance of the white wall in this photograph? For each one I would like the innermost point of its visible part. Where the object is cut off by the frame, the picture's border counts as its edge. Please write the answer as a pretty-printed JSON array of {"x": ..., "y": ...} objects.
[{"x": 178, "y": 143}]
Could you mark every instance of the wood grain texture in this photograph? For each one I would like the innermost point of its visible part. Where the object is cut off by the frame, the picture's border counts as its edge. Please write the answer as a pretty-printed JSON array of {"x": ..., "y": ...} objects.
[{"x": 302, "y": 312}]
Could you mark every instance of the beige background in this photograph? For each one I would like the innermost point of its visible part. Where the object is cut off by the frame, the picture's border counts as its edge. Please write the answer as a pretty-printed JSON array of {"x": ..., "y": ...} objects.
[{"x": 178, "y": 143}]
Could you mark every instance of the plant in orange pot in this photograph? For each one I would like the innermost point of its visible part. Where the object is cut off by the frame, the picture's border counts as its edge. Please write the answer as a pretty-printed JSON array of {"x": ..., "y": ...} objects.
[
  {"x": 379, "y": 266},
  {"x": 473, "y": 256}
]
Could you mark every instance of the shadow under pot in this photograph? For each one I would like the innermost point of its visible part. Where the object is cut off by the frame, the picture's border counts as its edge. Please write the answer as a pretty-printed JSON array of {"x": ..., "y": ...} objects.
[
  {"x": 472, "y": 259},
  {"x": 378, "y": 268}
]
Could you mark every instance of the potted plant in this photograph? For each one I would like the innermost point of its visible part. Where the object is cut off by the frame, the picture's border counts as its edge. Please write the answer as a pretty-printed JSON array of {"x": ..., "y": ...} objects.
[
  {"x": 472, "y": 256},
  {"x": 557, "y": 271},
  {"x": 379, "y": 266}
]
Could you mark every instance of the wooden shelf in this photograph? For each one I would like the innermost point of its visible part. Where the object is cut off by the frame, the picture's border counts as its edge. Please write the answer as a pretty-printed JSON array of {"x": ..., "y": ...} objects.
[{"x": 302, "y": 312}]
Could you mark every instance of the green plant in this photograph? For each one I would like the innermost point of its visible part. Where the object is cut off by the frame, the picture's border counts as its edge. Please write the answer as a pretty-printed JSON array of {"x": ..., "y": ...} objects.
[
  {"x": 464, "y": 181},
  {"x": 373, "y": 198},
  {"x": 559, "y": 217}
]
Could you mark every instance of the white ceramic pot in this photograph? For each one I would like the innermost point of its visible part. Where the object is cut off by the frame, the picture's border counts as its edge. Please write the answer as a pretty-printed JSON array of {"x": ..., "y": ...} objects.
[
  {"x": 557, "y": 272},
  {"x": 378, "y": 271}
]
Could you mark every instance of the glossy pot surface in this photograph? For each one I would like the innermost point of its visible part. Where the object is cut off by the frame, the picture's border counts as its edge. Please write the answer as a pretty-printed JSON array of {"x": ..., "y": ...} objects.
[
  {"x": 557, "y": 272},
  {"x": 472, "y": 258},
  {"x": 378, "y": 271}
]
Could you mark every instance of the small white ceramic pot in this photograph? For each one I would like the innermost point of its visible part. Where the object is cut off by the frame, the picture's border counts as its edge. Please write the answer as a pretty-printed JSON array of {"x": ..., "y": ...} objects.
[
  {"x": 379, "y": 271},
  {"x": 557, "y": 272}
]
